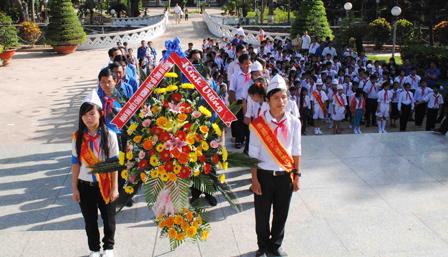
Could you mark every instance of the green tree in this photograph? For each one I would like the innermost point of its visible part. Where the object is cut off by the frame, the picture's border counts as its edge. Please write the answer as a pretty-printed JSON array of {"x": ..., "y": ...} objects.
[
  {"x": 64, "y": 27},
  {"x": 405, "y": 31},
  {"x": 379, "y": 32},
  {"x": 8, "y": 33},
  {"x": 312, "y": 17},
  {"x": 352, "y": 28}
]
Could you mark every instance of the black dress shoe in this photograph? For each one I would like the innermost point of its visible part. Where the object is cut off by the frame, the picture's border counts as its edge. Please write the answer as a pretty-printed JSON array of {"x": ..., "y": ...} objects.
[
  {"x": 130, "y": 202},
  {"x": 278, "y": 252},
  {"x": 211, "y": 200},
  {"x": 261, "y": 253}
]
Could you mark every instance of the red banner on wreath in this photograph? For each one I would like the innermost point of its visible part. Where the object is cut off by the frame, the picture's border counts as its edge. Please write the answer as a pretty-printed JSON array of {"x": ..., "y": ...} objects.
[{"x": 154, "y": 79}]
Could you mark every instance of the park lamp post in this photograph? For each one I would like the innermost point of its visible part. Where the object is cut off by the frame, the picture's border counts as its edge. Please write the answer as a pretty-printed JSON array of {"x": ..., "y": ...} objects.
[
  {"x": 396, "y": 11},
  {"x": 348, "y": 7}
]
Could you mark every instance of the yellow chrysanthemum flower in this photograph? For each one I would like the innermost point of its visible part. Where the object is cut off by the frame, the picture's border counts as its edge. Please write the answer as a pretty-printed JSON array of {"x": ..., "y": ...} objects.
[
  {"x": 190, "y": 139},
  {"x": 225, "y": 154},
  {"x": 204, "y": 146},
  {"x": 137, "y": 139},
  {"x": 172, "y": 177},
  {"x": 172, "y": 234},
  {"x": 160, "y": 147},
  {"x": 177, "y": 169},
  {"x": 160, "y": 91},
  {"x": 129, "y": 155},
  {"x": 164, "y": 177},
  {"x": 205, "y": 111},
  {"x": 124, "y": 174},
  {"x": 162, "y": 121},
  {"x": 222, "y": 178},
  {"x": 204, "y": 235},
  {"x": 187, "y": 86},
  {"x": 154, "y": 161},
  {"x": 141, "y": 115},
  {"x": 162, "y": 224},
  {"x": 154, "y": 173},
  {"x": 129, "y": 189},
  {"x": 161, "y": 170},
  {"x": 199, "y": 219},
  {"x": 196, "y": 173},
  {"x": 195, "y": 224},
  {"x": 217, "y": 129},
  {"x": 132, "y": 128},
  {"x": 171, "y": 88},
  {"x": 169, "y": 222},
  {"x": 171, "y": 75},
  {"x": 178, "y": 219},
  {"x": 220, "y": 165},
  {"x": 191, "y": 231},
  {"x": 193, "y": 157},
  {"x": 121, "y": 158},
  {"x": 180, "y": 237},
  {"x": 184, "y": 226},
  {"x": 226, "y": 165}
]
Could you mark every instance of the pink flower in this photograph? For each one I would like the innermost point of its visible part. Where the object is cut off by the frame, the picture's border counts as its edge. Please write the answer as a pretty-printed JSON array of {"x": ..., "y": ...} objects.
[
  {"x": 146, "y": 123},
  {"x": 196, "y": 114},
  {"x": 214, "y": 144},
  {"x": 141, "y": 155}
]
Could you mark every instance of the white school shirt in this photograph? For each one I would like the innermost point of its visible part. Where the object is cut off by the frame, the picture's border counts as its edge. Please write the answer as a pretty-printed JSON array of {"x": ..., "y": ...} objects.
[
  {"x": 363, "y": 83},
  {"x": 292, "y": 143},
  {"x": 342, "y": 98},
  {"x": 434, "y": 101},
  {"x": 347, "y": 87},
  {"x": 253, "y": 108},
  {"x": 240, "y": 85},
  {"x": 233, "y": 67},
  {"x": 414, "y": 81},
  {"x": 385, "y": 96},
  {"x": 400, "y": 80},
  {"x": 406, "y": 97},
  {"x": 329, "y": 50},
  {"x": 420, "y": 94},
  {"x": 313, "y": 48},
  {"x": 396, "y": 94},
  {"x": 371, "y": 90},
  {"x": 84, "y": 171},
  {"x": 323, "y": 96},
  {"x": 306, "y": 41}
]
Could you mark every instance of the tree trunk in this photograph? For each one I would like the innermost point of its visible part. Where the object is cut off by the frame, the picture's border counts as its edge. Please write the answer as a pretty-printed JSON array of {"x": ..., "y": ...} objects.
[
  {"x": 33, "y": 11},
  {"x": 271, "y": 12},
  {"x": 23, "y": 9},
  {"x": 263, "y": 6}
]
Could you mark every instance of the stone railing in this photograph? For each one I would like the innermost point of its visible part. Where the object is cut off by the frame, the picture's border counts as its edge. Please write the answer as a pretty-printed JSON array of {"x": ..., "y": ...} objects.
[
  {"x": 137, "y": 21},
  {"x": 216, "y": 27},
  {"x": 133, "y": 37}
]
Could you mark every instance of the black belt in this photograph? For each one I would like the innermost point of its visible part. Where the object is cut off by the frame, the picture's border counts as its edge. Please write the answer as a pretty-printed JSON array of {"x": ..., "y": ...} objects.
[
  {"x": 274, "y": 173},
  {"x": 87, "y": 183}
]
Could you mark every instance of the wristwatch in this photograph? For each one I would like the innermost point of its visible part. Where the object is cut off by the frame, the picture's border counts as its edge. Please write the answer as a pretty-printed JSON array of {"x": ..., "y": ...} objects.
[{"x": 296, "y": 173}]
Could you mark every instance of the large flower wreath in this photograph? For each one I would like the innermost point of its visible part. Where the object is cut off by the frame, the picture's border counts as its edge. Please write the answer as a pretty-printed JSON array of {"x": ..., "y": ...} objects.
[{"x": 175, "y": 142}]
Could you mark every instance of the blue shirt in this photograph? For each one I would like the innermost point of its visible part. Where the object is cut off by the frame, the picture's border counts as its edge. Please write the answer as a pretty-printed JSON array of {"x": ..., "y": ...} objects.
[
  {"x": 131, "y": 81},
  {"x": 141, "y": 52},
  {"x": 111, "y": 111}
]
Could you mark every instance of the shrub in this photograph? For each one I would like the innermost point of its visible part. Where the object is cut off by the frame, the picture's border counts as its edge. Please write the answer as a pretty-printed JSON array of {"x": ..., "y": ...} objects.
[
  {"x": 379, "y": 32},
  {"x": 352, "y": 28},
  {"x": 64, "y": 27},
  {"x": 8, "y": 33},
  {"x": 280, "y": 16},
  {"x": 312, "y": 17},
  {"x": 405, "y": 32},
  {"x": 31, "y": 32},
  {"x": 441, "y": 32},
  {"x": 421, "y": 56}
]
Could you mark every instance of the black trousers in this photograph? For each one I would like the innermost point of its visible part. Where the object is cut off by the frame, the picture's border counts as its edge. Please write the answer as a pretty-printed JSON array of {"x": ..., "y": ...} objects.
[
  {"x": 404, "y": 116},
  {"x": 276, "y": 194},
  {"x": 239, "y": 129},
  {"x": 420, "y": 110},
  {"x": 444, "y": 125},
  {"x": 91, "y": 201},
  {"x": 304, "y": 118},
  {"x": 431, "y": 119},
  {"x": 371, "y": 105}
]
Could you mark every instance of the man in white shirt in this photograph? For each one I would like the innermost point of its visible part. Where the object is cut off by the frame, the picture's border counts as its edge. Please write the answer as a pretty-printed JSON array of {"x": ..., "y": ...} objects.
[
  {"x": 234, "y": 66},
  {"x": 434, "y": 100},
  {"x": 278, "y": 172},
  {"x": 414, "y": 80},
  {"x": 420, "y": 102},
  {"x": 329, "y": 50},
  {"x": 178, "y": 13},
  {"x": 314, "y": 46},
  {"x": 371, "y": 89},
  {"x": 306, "y": 42}
]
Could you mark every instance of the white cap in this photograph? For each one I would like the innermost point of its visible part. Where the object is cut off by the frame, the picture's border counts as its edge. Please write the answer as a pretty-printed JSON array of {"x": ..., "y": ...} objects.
[
  {"x": 369, "y": 66},
  {"x": 319, "y": 82},
  {"x": 335, "y": 82},
  {"x": 340, "y": 87},
  {"x": 293, "y": 68},
  {"x": 256, "y": 66},
  {"x": 93, "y": 98},
  {"x": 277, "y": 82}
]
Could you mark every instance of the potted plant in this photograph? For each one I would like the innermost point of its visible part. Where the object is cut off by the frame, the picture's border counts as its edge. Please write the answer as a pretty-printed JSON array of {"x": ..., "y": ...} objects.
[
  {"x": 8, "y": 39},
  {"x": 31, "y": 32},
  {"x": 64, "y": 31}
]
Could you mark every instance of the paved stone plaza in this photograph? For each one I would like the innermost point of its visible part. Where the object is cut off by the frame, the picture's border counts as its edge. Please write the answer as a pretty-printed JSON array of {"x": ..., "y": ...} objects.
[{"x": 369, "y": 195}]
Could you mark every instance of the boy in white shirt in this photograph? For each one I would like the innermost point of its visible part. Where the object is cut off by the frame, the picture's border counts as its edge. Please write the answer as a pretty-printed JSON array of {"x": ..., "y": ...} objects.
[
  {"x": 318, "y": 107},
  {"x": 434, "y": 100},
  {"x": 405, "y": 105},
  {"x": 383, "y": 109},
  {"x": 420, "y": 102},
  {"x": 371, "y": 90}
]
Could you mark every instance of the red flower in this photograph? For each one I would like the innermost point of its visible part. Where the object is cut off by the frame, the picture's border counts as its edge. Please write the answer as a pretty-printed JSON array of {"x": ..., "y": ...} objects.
[
  {"x": 186, "y": 108},
  {"x": 202, "y": 158},
  {"x": 142, "y": 164},
  {"x": 187, "y": 127},
  {"x": 169, "y": 166},
  {"x": 207, "y": 168},
  {"x": 185, "y": 172},
  {"x": 156, "y": 130},
  {"x": 215, "y": 159},
  {"x": 181, "y": 135},
  {"x": 176, "y": 97},
  {"x": 183, "y": 158},
  {"x": 186, "y": 149},
  {"x": 151, "y": 152},
  {"x": 198, "y": 138},
  {"x": 165, "y": 136},
  {"x": 166, "y": 104},
  {"x": 165, "y": 155}
]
